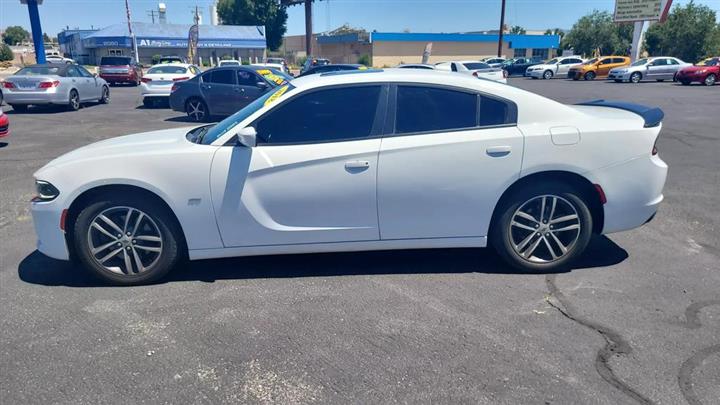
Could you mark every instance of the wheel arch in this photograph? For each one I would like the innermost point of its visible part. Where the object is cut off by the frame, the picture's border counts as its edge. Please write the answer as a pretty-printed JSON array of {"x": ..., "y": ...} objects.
[
  {"x": 94, "y": 193},
  {"x": 588, "y": 192}
]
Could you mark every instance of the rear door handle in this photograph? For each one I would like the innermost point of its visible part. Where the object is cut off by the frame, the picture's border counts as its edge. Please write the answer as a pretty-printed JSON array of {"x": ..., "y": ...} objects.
[
  {"x": 498, "y": 151},
  {"x": 357, "y": 164}
]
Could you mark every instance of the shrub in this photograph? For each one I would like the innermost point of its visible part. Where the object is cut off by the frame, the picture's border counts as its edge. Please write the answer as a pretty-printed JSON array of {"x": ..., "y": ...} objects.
[
  {"x": 6, "y": 53},
  {"x": 364, "y": 60},
  {"x": 156, "y": 59}
]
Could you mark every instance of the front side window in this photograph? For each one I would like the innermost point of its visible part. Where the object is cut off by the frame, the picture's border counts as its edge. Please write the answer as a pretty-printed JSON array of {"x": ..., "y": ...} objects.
[
  {"x": 222, "y": 76},
  {"x": 83, "y": 71},
  {"x": 246, "y": 78},
  {"x": 423, "y": 109},
  {"x": 322, "y": 116}
]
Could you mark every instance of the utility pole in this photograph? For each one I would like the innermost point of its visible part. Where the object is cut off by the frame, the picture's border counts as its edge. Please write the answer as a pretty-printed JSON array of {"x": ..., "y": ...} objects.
[
  {"x": 152, "y": 13},
  {"x": 308, "y": 21},
  {"x": 132, "y": 36},
  {"x": 502, "y": 25}
]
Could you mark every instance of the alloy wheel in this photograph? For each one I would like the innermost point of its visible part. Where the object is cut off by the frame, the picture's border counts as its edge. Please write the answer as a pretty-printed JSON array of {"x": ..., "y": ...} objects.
[
  {"x": 710, "y": 80},
  {"x": 635, "y": 77},
  {"x": 196, "y": 110},
  {"x": 548, "y": 75},
  {"x": 544, "y": 229},
  {"x": 124, "y": 240},
  {"x": 74, "y": 100}
]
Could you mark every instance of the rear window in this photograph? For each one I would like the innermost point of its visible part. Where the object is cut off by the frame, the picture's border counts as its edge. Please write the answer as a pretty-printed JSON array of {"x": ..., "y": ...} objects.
[
  {"x": 476, "y": 66},
  {"x": 38, "y": 71},
  {"x": 168, "y": 69},
  {"x": 423, "y": 109},
  {"x": 115, "y": 60}
]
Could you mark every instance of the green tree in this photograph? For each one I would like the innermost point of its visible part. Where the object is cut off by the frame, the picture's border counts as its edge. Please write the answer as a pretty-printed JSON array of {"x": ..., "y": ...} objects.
[
  {"x": 5, "y": 52},
  {"x": 713, "y": 45},
  {"x": 15, "y": 34},
  {"x": 267, "y": 13},
  {"x": 689, "y": 33},
  {"x": 46, "y": 38},
  {"x": 516, "y": 29},
  {"x": 364, "y": 59},
  {"x": 598, "y": 31}
]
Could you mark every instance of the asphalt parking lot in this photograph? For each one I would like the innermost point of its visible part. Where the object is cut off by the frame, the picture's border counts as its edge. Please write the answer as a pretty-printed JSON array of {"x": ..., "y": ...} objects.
[{"x": 637, "y": 320}]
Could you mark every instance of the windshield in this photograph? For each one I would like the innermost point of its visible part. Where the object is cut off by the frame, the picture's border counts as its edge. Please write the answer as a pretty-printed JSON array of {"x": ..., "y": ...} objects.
[
  {"x": 273, "y": 76},
  {"x": 552, "y": 61},
  {"x": 114, "y": 60},
  {"x": 210, "y": 135},
  {"x": 591, "y": 61},
  {"x": 167, "y": 69},
  {"x": 476, "y": 65},
  {"x": 639, "y": 62},
  {"x": 709, "y": 62},
  {"x": 38, "y": 71}
]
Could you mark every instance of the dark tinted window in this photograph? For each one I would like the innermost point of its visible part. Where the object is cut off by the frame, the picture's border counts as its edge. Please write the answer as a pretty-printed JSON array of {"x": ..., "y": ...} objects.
[
  {"x": 476, "y": 65},
  {"x": 421, "y": 109},
  {"x": 246, "y": 78},
  {"x": 115, "y": 60},
  {"x": 493, "y": 112},
  {"x": 222, "y": 76},
  {"x": 618, "y": 60},
  {"x": 321, "y": 116}
]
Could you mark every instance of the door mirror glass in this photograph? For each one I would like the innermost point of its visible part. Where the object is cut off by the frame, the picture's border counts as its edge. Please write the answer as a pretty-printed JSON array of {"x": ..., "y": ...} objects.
[
  {"x": 262, "y": 85},
  {"x": 247, "y": 137}
]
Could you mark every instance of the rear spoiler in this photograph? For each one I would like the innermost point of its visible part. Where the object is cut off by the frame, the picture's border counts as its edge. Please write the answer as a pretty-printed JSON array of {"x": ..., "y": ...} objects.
[{"x": 652, "y": 115}]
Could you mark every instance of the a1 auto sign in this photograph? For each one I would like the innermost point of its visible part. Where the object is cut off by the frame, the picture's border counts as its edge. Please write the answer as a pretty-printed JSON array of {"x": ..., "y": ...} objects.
[{"x": 641, "y": 10}]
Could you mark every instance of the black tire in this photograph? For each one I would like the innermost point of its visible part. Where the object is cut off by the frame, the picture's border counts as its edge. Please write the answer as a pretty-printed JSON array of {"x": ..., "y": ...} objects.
[
  {"x": 589, "y": 76},
  {"x": 685, "y": 82},
  {"x": 660, "y": 80},
  {"x": 19, "y": 107},
  {"x": 547, "y": 75},
  {"x": 710, "y": 80},
  {"x": 618, "y": 81},
  {"x": 636, "y": 77},
  {"x": 148, "y": 103},
  {"x": 74, "y": 101},
  {"x": 197, "y": 110},
  {"x": 501, "y": 237},
  {"x": 169, "y": 257},
  {"x": 105, "y": 97}
]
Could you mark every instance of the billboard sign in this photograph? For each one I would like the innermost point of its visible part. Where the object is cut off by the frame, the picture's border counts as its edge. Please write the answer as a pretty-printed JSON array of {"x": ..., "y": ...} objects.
[{"x": 638, "y": 10}]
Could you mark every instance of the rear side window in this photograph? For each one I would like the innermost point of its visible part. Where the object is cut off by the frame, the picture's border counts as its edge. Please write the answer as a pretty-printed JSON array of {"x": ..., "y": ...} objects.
[
  {"x": 618, "y": 60},
  {"x": 222, "y": 76},
  {"x": 494, "y": 112},
  {"x": 423, "y": 109},
  {"x": 322, "y": 116}
]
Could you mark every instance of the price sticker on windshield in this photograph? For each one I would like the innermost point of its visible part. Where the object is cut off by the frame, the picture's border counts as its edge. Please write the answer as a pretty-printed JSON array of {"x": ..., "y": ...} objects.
[{"x": 276, "y": 95}]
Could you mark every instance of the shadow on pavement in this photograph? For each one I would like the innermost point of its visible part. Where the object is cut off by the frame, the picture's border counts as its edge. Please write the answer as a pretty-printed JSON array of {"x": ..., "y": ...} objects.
[{"x": 39, "y": 269}]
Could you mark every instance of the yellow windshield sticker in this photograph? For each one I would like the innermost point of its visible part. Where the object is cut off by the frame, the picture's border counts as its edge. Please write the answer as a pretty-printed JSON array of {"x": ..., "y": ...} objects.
[
  {"x": 362, "y": 68},
  {"x": 276, "y": 95},
  {"x": 264, "y": 72}
]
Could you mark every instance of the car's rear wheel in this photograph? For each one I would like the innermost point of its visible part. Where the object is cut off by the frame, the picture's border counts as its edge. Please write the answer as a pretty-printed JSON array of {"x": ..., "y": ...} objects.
[
  {"x": 589, "y": 76},
  {"x": 636, "y": 77},
  {"x": 105, "y": 97},
  {"x": 547, "y": 75},
  {"x": 543, "y": 227},
  {"x": 710, "y": 79},
  {"x": 197, "y": 110},
  {"x": 19, "y": 107},
  {"x": 126, "y": 240},
  {"x": 74, "y": 101}
]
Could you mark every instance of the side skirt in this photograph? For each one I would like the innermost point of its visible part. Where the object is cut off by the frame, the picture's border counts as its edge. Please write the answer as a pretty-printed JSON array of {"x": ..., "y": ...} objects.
[{"x": 468, "y": 242}]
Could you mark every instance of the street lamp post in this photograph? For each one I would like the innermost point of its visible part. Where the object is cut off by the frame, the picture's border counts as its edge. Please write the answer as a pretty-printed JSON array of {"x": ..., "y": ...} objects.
[{"x": 36, "y": 29}]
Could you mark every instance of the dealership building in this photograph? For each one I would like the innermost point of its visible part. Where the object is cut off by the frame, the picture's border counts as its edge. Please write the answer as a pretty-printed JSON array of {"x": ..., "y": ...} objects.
[
  {"x": 215, "y": 42},
  {"x": 393, "y": 48}
]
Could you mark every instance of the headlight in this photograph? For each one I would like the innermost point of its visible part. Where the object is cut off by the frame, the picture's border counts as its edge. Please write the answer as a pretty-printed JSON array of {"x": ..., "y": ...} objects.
[{"x": 45, "y": 191}]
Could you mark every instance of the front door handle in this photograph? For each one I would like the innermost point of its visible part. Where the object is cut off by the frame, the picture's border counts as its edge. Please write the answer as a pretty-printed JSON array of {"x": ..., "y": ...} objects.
[
  {"x": 357, "y": 164},
  {"x": 498, "y": 151}
]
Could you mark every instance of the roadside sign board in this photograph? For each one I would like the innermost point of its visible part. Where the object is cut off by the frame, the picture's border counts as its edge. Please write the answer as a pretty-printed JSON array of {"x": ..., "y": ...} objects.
[{"x": 638, "y": 10}]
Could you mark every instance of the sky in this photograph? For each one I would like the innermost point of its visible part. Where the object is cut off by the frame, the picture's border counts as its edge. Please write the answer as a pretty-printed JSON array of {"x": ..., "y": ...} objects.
[{"x": 380, "y": 15}]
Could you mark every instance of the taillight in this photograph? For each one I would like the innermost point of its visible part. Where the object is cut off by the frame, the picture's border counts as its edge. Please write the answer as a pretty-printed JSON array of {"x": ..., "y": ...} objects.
[
  {"x": 146, "y": 80},
  {"x": 179, "y": 79},
  {"x": 601, "y": 193},
  {"x": 174, "y": 87},
  {"x": 8, "y": 85},
  {"x": 48, "y": 85}
]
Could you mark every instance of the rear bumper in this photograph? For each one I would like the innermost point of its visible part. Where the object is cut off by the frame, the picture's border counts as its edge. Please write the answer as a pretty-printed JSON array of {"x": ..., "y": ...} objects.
[
  {"x": 152, "y": 91},
  {"x": 4, "y": 126},
  {"x": 35, "y": 97},
  {"x": 118, "y": 78},
  {"x": 633, "y": 190}
]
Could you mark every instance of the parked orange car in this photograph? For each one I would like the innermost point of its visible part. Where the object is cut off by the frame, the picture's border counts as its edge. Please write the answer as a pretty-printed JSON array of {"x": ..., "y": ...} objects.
[{"x": 597, "y": 67}]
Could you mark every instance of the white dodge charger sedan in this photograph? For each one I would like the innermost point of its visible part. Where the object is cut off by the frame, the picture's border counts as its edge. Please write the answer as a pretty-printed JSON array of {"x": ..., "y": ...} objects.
[{"x": 358, "y": 160}]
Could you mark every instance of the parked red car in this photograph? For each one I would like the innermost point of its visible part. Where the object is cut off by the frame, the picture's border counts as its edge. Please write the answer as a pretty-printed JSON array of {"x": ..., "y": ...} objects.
[
  {"x": 4, "y": 125},
  {"x": 707, "y": 74},
  {"x": 120, "y": 69}
]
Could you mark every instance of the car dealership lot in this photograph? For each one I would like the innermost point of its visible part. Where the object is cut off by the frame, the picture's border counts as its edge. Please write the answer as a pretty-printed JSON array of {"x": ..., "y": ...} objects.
[{"x": 637, "y": 320}]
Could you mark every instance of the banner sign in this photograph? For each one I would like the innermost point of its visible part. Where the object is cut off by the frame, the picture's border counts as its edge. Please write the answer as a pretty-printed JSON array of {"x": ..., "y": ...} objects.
[
  {"x": 193, "y": 44},
  {"x": 638, "y": 10}
]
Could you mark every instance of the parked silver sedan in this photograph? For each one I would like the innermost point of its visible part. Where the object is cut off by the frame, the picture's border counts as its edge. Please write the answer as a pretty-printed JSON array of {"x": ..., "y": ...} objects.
[
  {"x": 655, "y": 68},
  {"x": 69, "y": 85}
]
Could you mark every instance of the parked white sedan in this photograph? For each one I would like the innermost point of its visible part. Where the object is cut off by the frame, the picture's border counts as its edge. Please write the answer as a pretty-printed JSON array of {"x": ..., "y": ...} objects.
[
  {"x": 157, "y": 83},
  {"x": 557, "y": 67},
  {"x": 478, "y": 69},
  {"x": 349, "y": 161}
]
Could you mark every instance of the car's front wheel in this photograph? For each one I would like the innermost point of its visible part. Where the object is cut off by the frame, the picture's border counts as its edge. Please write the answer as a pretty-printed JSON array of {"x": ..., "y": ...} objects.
[
  {"x": 126, "y": 240},
  {"x": 547, "y": 75},
  {"x": 636, "y": 77},
  {"x": 710, "y": 80},
  {"x": 589, "y": 76},
  {"x": 543, "y": 227}
]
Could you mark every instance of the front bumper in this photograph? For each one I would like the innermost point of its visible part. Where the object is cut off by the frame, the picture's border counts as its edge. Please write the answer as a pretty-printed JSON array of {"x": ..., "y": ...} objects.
[
  {"x": 50, "y": 238},
  {"x": 692, "y": 76},
  {"x": 619, "y": 76},
  {"x": 538, "y": 74},
  {"x": 633, "y": 189},
  {"x": 35, "y": 97}
]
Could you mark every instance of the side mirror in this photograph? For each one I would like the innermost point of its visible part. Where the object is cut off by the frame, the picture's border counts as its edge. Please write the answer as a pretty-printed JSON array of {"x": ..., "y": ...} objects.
[
  {"x": 247, "y": 137},
  {"x": 95, "y": 75},
  {"x": 262, "y": 85}
]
